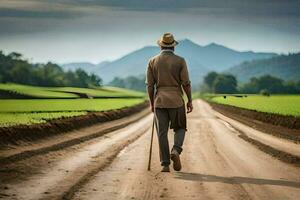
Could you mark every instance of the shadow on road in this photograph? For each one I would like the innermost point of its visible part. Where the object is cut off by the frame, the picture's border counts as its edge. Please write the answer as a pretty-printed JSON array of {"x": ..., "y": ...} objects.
[{"x": 234, "y": 179}]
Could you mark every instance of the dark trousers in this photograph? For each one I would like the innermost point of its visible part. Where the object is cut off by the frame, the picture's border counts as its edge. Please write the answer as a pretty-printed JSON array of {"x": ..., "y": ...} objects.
[{"x": 176, "y": 119}]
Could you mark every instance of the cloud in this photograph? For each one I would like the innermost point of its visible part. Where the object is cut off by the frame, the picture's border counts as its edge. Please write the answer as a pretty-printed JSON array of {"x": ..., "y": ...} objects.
[
  {"x": 17, "y": 13},
  {"x": 73, "y": 25},
  {"x": 271, "y": 7}
]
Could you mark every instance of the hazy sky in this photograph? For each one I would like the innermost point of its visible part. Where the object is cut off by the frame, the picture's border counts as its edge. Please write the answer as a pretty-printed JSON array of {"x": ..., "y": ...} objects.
[{"x": 96, "y": 30}]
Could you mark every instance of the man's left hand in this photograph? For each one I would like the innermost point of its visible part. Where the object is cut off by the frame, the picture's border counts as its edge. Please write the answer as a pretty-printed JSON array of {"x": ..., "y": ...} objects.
[{"x": 189, "y": 107}]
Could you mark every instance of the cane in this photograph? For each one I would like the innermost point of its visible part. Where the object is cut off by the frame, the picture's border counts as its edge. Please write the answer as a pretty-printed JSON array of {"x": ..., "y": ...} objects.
[{"x": 151, "y": 141}]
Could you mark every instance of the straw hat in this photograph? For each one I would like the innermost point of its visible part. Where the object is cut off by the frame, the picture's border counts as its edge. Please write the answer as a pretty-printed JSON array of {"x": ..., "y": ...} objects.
[{"x": 167, "y": 40}]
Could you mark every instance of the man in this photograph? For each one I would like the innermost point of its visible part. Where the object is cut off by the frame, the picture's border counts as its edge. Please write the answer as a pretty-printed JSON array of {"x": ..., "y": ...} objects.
[{"x": 167, "y": 74}]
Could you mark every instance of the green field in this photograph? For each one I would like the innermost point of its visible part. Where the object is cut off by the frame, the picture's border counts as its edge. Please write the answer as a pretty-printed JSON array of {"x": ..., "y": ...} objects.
[
  {"x": 63, "y": 105},
  {"x": 30, "y": 111},
  {"x": 107, "y": 92},
  {"x": 278, "y": 104},
  {"x": 35, "y": 92},
  {"x": 46, "y": 103},
  {"x": 70, "y": 92},
  {"x": 11, "y": 119}
]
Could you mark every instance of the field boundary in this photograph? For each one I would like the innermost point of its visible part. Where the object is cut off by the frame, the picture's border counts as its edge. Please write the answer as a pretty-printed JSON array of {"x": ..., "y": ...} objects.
[
  {"x": 290, "y": 122},
  {"x": 27, "y": 133},
  {"x": 269, "y": 128},
  {"x": 280, "y": 155}
]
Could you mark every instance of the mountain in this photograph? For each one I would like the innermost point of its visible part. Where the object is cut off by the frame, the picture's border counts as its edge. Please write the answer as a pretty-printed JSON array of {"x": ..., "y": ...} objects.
[
  {"x": 216, "y": 57},
  {"x": 286, "y": 67},
  {"x": 200, "y": 60},
  {"x": 132, "y": 64}
]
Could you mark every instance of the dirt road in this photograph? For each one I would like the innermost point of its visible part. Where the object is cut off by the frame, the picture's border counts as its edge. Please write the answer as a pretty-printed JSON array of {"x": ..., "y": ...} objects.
[{"x": 217, "y": 164}]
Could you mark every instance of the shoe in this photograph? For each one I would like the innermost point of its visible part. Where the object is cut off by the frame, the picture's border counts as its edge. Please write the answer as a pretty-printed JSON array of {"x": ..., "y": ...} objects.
[
  {"x": 176, "y": 160},
  {"x": 165, "y": 169}
]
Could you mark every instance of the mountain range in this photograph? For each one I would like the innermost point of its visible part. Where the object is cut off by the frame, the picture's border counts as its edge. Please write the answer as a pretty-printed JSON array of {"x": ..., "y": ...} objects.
[
  {"x": 200, "y": 60},
  {"x": 286, "y": 67}
]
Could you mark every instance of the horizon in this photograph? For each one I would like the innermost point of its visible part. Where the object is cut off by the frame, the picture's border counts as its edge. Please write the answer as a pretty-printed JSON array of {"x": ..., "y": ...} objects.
[
  {"x": 76, "y": 30},
  {"x": 140, "y": 48}
]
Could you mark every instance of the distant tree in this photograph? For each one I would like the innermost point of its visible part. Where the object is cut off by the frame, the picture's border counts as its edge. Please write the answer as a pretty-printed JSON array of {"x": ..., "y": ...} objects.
[
  {"x": 225, "y": 83},
  {"x": 209, "y": 79},
  {"x": 82, "y": 76},
  {"x": 130, "y": 82},
  {"x": 270, "y": 83},
  {"x": 13, "y": 68},
  {"x": 95, "y": 80},
  {"x": 15, "y": 55},
  {"x": 118, "y": 82},
  {"x": 21, "y": 74},
  {"x": 264, "y": 92},
  {"x": 266, "y": 82}
]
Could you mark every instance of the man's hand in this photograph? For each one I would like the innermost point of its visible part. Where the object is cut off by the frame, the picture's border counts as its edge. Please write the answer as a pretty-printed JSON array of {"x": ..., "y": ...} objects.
[{"x": 189, "y": 107}]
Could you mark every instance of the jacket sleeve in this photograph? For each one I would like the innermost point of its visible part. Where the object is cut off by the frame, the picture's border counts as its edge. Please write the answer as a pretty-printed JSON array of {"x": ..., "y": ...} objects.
[
  {"x": 150, "y": 78},
  {"x": 184, "y": 74}
]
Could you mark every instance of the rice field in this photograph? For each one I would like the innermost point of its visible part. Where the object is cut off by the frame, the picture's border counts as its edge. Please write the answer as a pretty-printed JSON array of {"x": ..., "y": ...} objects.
[
  {"x": 11, "y": 119},
  {"x": 70, "y": 92},
  {"x": 278, "y": 104},
  {"x": 35, "y": 92},
  {"x": 46, "y": 103},
  {"x": 31, "y": 111}
]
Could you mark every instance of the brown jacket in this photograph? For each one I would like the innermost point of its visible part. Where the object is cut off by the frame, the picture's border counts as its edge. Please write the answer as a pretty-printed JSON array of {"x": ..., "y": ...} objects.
[{"x": 167, "y": 72}]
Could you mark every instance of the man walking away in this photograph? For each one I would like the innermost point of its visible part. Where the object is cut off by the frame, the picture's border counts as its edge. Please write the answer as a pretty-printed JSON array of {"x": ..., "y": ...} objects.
[{"x": 167, "y": 74}]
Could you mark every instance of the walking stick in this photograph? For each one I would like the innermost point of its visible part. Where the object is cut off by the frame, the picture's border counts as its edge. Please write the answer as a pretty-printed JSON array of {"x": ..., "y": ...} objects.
[{"x": 151, "y": 141}]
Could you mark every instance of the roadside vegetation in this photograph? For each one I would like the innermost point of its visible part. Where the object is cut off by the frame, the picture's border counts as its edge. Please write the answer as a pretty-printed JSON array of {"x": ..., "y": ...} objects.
[
  {"x": 42, "y": 104},
  {"x": 47, "y": 103},
  {"x": 68, "y": 92},
  {"x": 29, "y": 111},
  {"x": 265, "y": 94},
  {"x": 277, "y": 104},
  {"x": 219, "y": 83}
]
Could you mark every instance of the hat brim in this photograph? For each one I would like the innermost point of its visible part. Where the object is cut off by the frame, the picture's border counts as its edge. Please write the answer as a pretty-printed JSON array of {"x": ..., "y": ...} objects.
[{"x": 160, "y": 43}]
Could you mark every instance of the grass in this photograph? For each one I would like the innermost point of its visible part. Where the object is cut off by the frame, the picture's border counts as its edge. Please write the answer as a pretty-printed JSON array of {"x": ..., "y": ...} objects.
[
  {"x": 70, "y": 92},
  {"x": 59, "y": 102},
  {"x": 278, "y": 104},
  {"x": 107, "y": 92},
  {"x": 33, "y": 91},
  {"x": 11, "y": 119},
  {"x": 61, "y": 105},
  {"x": 31, "y": 111},
  {"x": 124, "y": 91}
]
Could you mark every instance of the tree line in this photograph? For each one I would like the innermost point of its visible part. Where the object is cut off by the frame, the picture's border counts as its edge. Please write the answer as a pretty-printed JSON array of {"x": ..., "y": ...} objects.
[
  {"x": 130, "y": 82},
  {"x": 13, "y": 68},
  {"x": 226, "y": 83}
]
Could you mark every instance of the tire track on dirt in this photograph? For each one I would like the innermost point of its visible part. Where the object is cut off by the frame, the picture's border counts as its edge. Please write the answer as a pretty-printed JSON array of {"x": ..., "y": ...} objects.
[
  {"x": 64, "y": 177},
  {"x": 276, "y": 147},
  {"x": 71, "y": 142}
]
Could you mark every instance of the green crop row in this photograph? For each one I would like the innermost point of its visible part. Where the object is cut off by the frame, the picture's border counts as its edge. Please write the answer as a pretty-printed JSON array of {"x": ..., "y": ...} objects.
[
  {"x": 30, "y": 111},
  {"x": 62, "y": 105},
  {"x": 278, "y": 104},
  {"x": 11, "y": 119},
  {"x": 35, "y": 92},
  {"x": 69, "y": 92}
]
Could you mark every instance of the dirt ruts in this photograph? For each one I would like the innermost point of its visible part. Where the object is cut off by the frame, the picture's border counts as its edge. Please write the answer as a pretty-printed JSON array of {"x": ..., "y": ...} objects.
[
  {"x": 17, "y": 134},
  {"x": 280, "y": 155},
  {"x": 290, "y": 122},
  {"x": 286, "y": 127}
]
